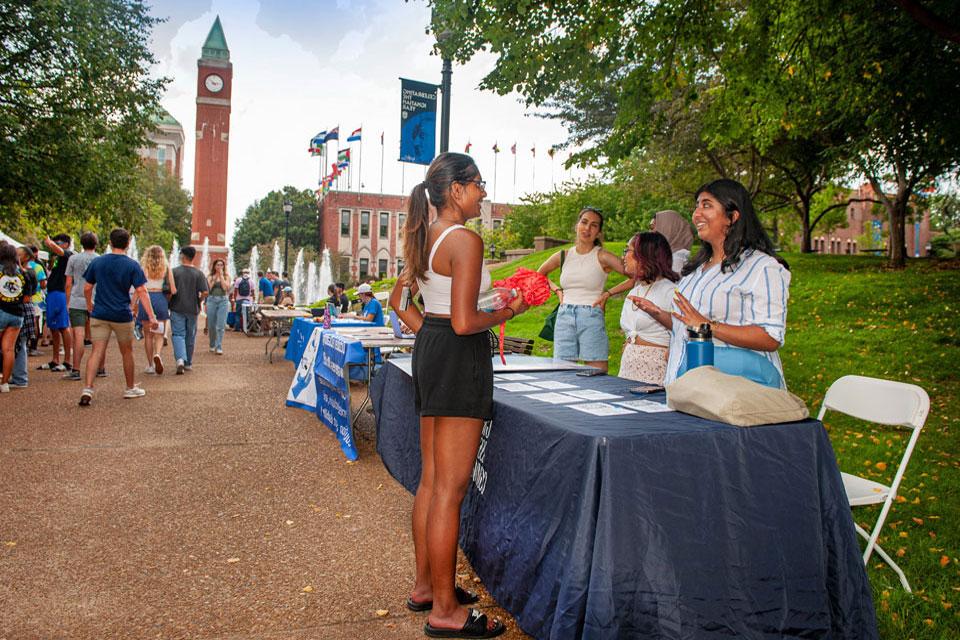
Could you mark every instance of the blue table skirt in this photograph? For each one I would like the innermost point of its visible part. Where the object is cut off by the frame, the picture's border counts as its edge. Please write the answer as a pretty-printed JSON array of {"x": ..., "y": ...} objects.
[
  {"x": 300, "y": 332},
  {"x": 650, "y": 525}
]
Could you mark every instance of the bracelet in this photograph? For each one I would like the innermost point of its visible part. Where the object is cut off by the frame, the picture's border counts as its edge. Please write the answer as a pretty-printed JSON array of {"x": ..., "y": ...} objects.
[
  {"x": 609, "y": 295},
  {"x": 512, "y": 313}
]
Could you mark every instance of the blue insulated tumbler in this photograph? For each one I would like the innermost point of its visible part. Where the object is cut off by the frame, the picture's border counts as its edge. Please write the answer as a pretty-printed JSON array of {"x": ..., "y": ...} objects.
[{"x": 699, "y": 346}]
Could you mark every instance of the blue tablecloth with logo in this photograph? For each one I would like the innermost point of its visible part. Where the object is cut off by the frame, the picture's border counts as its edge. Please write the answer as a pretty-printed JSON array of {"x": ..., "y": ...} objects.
[
  {"x": 300, "y": 332},
  {"x": 650, "y": 525}
]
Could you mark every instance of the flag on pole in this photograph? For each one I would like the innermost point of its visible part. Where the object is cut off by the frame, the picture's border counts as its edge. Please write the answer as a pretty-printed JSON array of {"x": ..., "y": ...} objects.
[
  {"x": 316, "y": 143},
  {"x": 355, "y": 136},
  {"x": 496, "y": 149},
  {"x": 333, "y": 134},
  {"x": 381, "y": 138},
  {"x": 551, "y": 151},
  {"x": 533, "y": 150},
  {"x": 513, "y": 149},
  {"x": 466, "y": 149},
  {"x": 343, "y": 158}
]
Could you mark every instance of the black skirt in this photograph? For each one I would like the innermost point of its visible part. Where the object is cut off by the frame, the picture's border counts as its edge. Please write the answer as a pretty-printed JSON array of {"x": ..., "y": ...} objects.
[{"x": 452, "y": 375}]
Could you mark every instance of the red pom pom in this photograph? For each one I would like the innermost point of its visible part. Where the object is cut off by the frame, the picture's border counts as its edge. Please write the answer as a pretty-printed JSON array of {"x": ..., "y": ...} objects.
[{"x": 534, "y": 286}]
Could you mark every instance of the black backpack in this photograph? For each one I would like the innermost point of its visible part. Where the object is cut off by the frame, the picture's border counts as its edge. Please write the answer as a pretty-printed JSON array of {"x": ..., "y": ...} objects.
[{"x": 244, "y": 287}]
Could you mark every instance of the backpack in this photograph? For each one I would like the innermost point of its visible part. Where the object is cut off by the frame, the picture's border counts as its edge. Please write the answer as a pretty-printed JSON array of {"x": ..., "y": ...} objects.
[{"x": 243, "y": 289}]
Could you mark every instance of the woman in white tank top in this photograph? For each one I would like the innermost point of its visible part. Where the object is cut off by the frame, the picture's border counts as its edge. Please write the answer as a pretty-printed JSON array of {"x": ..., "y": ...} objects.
[
  {"x": 580, "y": 332},
  {"x": 452, "y": 377}
]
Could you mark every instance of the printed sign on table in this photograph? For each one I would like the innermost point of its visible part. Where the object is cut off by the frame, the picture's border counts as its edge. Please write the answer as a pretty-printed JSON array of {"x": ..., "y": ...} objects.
[
  {"x": 332, "y": 388},
  {"x": 303, "y": 392}
]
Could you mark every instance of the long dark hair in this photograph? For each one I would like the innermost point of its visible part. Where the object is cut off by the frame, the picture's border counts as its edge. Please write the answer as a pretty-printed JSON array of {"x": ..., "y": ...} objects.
[
  {"x": 743, "y": 234},
  {"x": 445, "y": 169},
  {"x": 213, "y": 267},
  {"x": 598, "y": 241},
  {"x": 652, "y": 252},
  {"x": 8, "y": 259}
]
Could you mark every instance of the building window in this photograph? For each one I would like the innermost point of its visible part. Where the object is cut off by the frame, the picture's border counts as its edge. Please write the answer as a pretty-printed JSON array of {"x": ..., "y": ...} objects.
[
  {"x": 384, "y": 224},
  {"x": 399, "y": 266},
  {"x": 161, "y": 155},
  {"x": 364, "y": 224},
  {"x": 401, "y": 222},
  {"x": 345, "y": 222},
  {"x": 382, "y": 267},
  {"x": 364, "y": 267},
  {"x": 497, "y": 223}
]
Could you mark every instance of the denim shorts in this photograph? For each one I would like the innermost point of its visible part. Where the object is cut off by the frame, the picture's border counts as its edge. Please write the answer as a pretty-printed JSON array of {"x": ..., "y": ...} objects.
[
  {"x": 580, "y": 334},
  {"x": 8, "y": 320}
]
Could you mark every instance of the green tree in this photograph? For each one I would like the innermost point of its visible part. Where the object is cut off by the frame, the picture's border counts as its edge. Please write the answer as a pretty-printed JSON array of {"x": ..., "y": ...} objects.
[
  {"x": 76, "y": 102},
  {"x": 263, "y": 222}
]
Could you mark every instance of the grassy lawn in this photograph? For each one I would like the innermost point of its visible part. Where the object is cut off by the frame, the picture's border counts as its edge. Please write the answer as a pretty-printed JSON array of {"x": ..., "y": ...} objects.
[{"x": 850, "y": 315}]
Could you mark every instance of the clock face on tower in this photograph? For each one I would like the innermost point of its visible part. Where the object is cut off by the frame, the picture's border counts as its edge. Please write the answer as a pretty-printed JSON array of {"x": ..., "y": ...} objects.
[{"x": 213, "y": 83}]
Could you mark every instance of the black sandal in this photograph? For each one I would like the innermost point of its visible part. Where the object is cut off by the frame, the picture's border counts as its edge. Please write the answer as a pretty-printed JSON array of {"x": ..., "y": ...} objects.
[
  {"x": 474, "y": 627},
  {"x": 463, "y": 597}
]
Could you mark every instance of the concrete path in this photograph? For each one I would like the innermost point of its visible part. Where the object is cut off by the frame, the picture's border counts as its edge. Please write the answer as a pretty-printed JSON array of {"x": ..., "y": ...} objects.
[{"x": 206, "y": 509}]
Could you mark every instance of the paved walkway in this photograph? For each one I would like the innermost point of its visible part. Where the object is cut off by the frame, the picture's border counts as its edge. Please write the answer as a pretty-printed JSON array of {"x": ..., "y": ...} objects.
[{"x": 206, "y": 509}]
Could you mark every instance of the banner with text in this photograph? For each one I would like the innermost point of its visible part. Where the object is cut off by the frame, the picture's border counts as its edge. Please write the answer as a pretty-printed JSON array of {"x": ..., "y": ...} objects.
[
  {"x": 303, "y": 392},
  {"x": 418, "y": 121},
  {"x": 336, "y": 353}
]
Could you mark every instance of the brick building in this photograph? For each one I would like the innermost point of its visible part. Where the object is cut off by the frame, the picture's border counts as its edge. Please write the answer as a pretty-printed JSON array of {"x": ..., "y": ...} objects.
[
  {"x": 166, "y": 145},
  {"x": 366, "y": 230},
  {"x": 862, "y": 221}
]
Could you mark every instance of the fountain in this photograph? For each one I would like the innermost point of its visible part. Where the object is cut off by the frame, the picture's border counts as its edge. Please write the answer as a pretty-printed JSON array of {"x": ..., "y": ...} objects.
[
  {"x": 205, "y": 257},
  {"x": 312, "y": 293},
  {"x": 298, "y": 280},
  {"x": 132, "y": 249},
  {"x": 175, "y": 254},
  {"x": 277, "y": 265},
  {"x": 254, "y": 260},
  {"x": 326, "y": 273},
  {"x": 231, "y": 268}
]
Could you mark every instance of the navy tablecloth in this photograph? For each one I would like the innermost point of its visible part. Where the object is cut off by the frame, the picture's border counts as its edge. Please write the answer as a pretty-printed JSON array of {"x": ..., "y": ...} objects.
[{"x": 657, "y": 525}]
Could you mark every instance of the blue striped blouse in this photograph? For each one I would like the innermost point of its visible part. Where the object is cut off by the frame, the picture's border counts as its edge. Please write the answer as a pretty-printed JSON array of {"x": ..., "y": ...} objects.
[{"x": 754, "y": 292}]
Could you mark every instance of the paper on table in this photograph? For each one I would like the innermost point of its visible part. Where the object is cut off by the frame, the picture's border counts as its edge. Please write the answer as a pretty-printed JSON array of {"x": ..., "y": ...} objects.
[
  {"x": 648, "y": 406},
  {"x": 515, "y": 376},
  {"x": 591, "y": 394},
  {"x": 552, "y": 398},
  {"x": 600, "y": 409},
  {"x": 552, "y": 384},
  {"x": 515, "y": 386}
]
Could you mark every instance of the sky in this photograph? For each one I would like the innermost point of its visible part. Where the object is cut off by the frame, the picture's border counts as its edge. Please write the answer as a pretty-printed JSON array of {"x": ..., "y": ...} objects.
[{"x": 304, "y": 66}]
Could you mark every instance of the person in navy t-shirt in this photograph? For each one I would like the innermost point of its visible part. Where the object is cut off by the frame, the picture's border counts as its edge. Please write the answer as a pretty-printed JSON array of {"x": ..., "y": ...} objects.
[{"x": 114, "y": 274}]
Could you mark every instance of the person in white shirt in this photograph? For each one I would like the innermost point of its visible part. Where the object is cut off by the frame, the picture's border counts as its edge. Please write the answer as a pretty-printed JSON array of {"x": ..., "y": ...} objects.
[
  {"x": 647, "y": 258},
  {"x": 678, "y": 233}
]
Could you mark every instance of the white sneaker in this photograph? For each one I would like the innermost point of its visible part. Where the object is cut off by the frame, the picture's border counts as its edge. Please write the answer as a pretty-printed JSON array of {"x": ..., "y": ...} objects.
[
  {"x": 219, "y": 351},
  {"x": 150, "y": 370},
  {"x": 188, "y": 367},
  {"x": 134, "y": 392},
  {"x": 179, "y": 367},
  {"x": 86, "y": 397},
  {"x": 4, "y": 388},
  {"x": 212, "y": 349}
]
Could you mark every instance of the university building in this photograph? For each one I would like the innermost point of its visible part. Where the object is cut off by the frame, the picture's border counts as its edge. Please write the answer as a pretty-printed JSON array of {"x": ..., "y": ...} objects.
[
  {"x": 366, "y": 230},
  {"x": 166, "y": 145},
  {"x": 863, "y": 222}
]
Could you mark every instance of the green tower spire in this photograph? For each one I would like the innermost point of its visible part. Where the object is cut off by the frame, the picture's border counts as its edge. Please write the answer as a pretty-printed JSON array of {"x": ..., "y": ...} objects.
[{"x": 216, "y": 45}]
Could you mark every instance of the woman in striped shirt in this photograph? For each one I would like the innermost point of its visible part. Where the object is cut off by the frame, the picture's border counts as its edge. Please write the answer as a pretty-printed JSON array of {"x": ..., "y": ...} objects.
[{"x": 737, "y": 284}]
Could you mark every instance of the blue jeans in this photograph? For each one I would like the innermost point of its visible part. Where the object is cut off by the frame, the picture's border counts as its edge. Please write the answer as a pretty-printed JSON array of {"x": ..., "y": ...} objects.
[
  {"x": 19, "y": 375},
  {"x": 217, "y": 307},
  {"x": 184, "y": 329},
  {"x": 580, "y": 334}
]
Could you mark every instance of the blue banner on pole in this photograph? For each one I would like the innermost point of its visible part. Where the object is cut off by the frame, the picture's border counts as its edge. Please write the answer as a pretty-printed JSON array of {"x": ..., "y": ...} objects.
[{"x": 418, "y": 121}]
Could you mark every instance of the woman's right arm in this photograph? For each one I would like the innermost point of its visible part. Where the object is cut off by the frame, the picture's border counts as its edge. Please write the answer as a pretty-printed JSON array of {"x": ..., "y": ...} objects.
[{"x": 551, "y": 263}]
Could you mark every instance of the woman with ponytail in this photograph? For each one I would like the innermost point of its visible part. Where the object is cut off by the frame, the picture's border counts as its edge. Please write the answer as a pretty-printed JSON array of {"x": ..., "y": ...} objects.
[{"x": 452, "y": 379}]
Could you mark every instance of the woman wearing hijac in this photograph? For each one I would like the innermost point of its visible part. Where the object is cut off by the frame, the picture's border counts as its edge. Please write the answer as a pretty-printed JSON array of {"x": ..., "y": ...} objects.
[
  {"x": 647, "y": 258},
  {"x": 737, "y": 284},
  {"x": 453, "y": 380},
  {"x": 580, "y": 332}
]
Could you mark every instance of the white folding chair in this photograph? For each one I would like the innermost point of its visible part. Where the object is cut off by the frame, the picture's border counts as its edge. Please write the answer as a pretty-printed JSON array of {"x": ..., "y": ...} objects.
[{"x": 884, "y": 402}]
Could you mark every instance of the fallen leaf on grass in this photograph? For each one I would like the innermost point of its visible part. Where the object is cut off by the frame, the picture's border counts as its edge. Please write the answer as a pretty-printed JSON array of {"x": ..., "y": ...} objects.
[
  {"x": 944, "y": 561},
  {"x": 918, "y": 520}
]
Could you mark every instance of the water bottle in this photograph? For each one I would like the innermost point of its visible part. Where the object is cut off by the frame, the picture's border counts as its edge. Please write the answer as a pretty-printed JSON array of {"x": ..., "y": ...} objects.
[
  {"x": 326, "y": 316},
  {"x": 495, "y": 299},
  {"x": 699, "y": 346}
]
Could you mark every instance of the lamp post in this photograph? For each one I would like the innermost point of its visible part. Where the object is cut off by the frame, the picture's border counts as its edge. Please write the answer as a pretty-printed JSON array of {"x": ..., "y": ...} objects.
[
  {"x": 287, "y": 208},
  {"x": 445, "y": 74}
]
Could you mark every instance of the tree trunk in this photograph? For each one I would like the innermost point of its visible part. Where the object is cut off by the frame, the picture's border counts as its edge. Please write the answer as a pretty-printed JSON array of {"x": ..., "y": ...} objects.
[
  {"x": 806, "y": 245},
  {"x": 897, "y": 251}
]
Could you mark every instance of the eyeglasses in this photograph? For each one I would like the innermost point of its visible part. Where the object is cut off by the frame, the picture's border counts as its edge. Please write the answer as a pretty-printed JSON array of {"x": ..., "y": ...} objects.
[
  {"x": 480, "y": 183},
  {"x": 627, "y": 249}
]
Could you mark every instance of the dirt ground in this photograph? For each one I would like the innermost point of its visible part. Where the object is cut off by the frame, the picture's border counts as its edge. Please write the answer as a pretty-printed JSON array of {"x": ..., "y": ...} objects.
[{"x": 206, "y": 509}]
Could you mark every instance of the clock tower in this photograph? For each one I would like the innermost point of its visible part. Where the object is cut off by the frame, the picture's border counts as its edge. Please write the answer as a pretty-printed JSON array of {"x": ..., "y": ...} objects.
[{"x": 214, "y": 85}]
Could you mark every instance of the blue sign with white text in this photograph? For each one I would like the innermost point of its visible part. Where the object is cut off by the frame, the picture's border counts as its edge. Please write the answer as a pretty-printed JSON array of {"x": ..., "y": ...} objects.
[{"x": 418, "y": 121}]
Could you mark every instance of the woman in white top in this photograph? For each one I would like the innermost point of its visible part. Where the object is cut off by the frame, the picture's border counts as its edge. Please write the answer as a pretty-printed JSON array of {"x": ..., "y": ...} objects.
[
  {"x": 580, "y": 332},
  {"x": 158, "y": 272},
  {"x": 677, "y": 231},
  {"x": 737, "y": 284},
  {"x": 647, "y": 258},
  {"x": 452, "y": 376}
]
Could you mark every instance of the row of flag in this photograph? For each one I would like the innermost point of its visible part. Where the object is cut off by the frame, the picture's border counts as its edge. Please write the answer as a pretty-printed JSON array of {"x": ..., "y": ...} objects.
[
  {"x": 513, "y": 149},
  {"x": 322, "y": 138}
]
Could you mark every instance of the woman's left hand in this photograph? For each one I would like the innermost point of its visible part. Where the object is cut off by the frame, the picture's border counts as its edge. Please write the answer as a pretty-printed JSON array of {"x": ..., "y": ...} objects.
[{"x": 688, "y": 315}]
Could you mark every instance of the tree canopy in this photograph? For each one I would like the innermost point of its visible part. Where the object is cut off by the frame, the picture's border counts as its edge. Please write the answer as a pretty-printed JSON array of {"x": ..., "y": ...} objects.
[{"x": 264, "y": 220}]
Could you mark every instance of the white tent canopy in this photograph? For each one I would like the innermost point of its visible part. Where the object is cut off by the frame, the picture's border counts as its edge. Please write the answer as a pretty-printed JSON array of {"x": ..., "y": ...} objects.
[{"x": 10, "y": 240}]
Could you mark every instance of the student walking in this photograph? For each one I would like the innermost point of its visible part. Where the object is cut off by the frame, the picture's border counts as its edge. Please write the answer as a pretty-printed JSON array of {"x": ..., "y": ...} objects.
[
  {"x": 218, "y": 303},
  {"x": 77, "y": 303},
  {"x": 191, "y": 287},
  {"x": 160, "y": 283},
  {"x": 114, "y": 274}
]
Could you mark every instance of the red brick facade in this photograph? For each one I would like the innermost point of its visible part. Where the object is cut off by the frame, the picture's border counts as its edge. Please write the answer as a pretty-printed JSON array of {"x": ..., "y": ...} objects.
[
  {"x": 861, "y": 220},
  {"x": 366, "y": 229}
]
